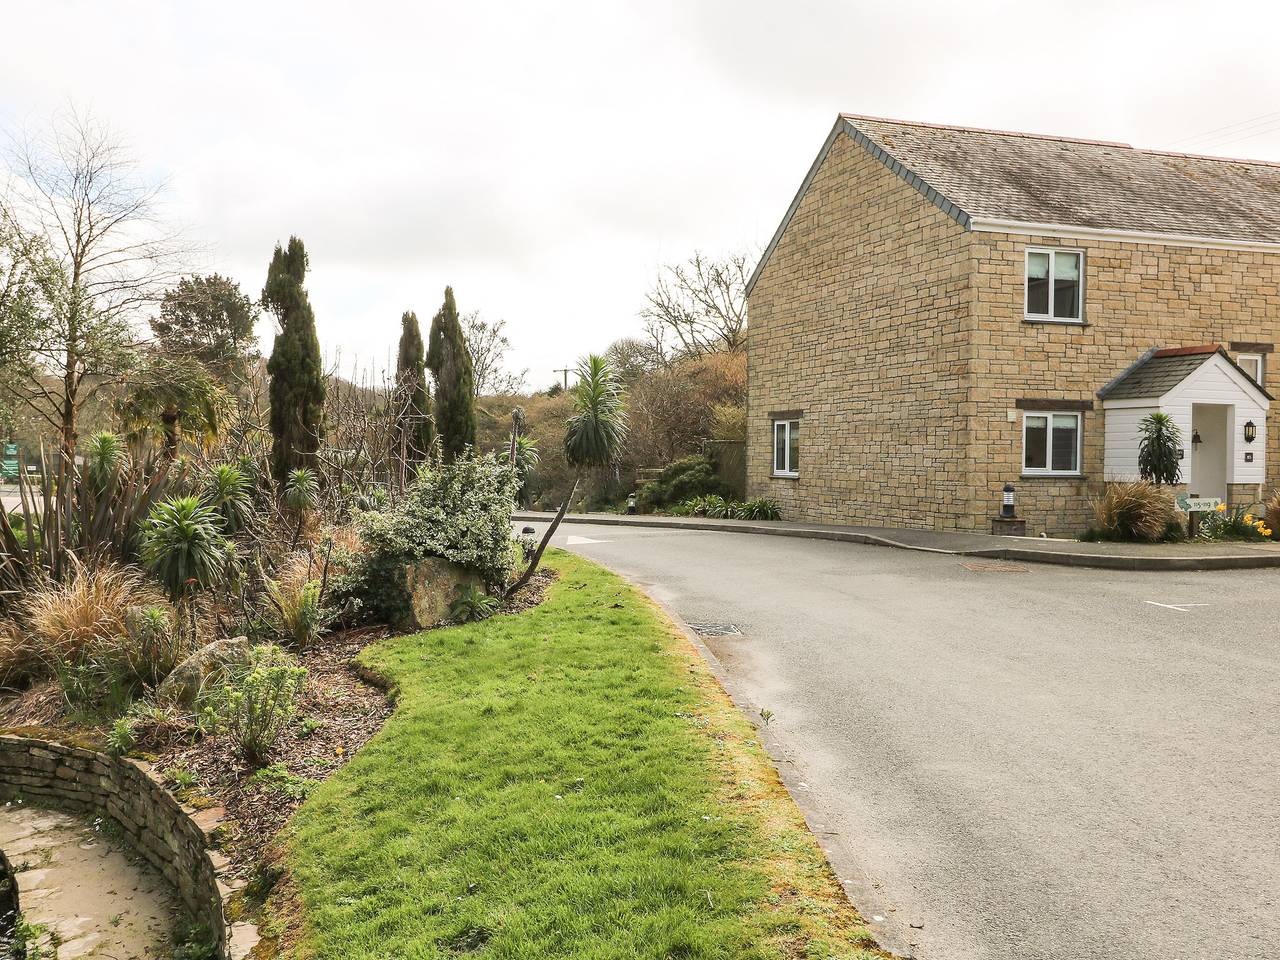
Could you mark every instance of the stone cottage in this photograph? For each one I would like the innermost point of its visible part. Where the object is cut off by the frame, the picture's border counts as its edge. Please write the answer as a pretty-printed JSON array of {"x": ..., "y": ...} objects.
[{"x": 945, "y": 310}]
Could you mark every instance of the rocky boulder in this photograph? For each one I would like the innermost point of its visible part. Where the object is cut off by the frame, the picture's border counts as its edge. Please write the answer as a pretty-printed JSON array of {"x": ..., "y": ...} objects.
[
  {"x": 433, "y": 586},
  {"x": 183, "y": 685}
]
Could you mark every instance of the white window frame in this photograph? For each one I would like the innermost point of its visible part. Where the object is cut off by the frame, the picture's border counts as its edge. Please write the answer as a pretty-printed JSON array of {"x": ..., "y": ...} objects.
[
  {"x": 1026, "y": 274},
  {"x": 1047, "y": 470},
  {"x": 788, "y": 470},
  {"x": 1261, "y": 360}
]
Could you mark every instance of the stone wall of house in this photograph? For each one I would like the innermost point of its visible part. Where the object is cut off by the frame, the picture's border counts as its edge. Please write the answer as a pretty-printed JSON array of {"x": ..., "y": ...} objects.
[
  {"x": 178, "y": 841},
  {"x": 1137, "y": 296},
  {"x": 860, "y": 322}
]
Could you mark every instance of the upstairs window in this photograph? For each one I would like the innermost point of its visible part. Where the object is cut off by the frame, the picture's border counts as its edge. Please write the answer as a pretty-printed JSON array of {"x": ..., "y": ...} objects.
[
  {"x": 1251, "y": 363},
  {"x": 786, "y": 448},
  {"x": 1055, "y": 285},
  {"x": 1051, "y": 444}
]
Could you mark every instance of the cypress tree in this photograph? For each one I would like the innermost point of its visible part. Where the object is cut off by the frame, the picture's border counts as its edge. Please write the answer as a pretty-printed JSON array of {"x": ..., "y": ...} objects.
[
  {"x": 450, "y": 364},
  {"x": 414, "y": 430},
  {"x": 297, "y": 375}
]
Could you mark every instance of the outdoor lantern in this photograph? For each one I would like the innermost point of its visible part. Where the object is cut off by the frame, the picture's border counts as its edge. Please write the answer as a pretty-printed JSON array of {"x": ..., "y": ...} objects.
[
  {"x": 1195, "y": 438},
  {"x": 1250, "y": 432},
  {"x": 1006, "y": 506}
]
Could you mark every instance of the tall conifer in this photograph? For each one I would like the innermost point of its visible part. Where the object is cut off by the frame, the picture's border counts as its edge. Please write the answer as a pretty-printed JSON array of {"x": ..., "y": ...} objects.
[
  {"x": 297, "y": 374},
  {"x": 450, "y": 364},
  {"x": 414, "y": 429}
]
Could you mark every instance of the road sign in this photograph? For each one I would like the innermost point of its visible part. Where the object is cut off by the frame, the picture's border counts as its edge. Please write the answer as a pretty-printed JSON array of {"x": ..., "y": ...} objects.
[{"x": 1198, "y": 504}]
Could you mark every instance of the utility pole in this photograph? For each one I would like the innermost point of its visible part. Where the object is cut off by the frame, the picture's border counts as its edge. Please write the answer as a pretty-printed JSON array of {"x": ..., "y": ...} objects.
[{"x": 565, "y": 371}]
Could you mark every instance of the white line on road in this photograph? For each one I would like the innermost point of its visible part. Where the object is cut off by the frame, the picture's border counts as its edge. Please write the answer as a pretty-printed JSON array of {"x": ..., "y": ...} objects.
[
  {"x": 573, "y": 541},
  {"x": 1180, "y": 607}
]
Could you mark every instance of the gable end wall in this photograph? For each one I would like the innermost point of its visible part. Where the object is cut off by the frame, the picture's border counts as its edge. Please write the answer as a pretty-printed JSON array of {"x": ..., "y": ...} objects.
[{"x": 861, "y": 319}]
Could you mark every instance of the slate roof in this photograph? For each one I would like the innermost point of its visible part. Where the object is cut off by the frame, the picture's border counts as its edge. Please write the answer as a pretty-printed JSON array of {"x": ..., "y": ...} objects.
[
  {"x": 1032, "y": 178},
  {"x": 1158, "y": 371}
]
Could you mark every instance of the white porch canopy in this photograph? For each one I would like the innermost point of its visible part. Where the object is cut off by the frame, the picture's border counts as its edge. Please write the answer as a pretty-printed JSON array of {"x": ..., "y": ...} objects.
[{"x": 1215, "y": 403}]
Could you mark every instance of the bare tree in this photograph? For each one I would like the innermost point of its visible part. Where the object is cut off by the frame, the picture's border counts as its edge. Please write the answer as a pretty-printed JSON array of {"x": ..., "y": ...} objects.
[
  {"x": 488, "y": 346},
  {"x": 702, "y": 303},
  {"x": 86, "y": 222}
]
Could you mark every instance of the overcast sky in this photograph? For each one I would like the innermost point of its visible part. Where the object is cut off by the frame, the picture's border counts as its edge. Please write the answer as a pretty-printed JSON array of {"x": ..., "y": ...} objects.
[{"x": 545, "y": 158}]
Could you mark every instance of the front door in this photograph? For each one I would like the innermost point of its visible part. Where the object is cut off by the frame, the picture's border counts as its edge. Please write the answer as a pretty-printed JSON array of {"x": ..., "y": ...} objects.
[{"x": 1209, "y": 441}]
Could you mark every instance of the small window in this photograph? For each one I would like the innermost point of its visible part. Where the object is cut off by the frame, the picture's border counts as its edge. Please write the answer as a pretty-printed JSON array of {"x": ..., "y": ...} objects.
[
  {"x": 786, "y": 448},
  {"x": 1051, "y": 444},
  {"x": 1054, "y": 285},
  {"x": 1251, "y": 363}
]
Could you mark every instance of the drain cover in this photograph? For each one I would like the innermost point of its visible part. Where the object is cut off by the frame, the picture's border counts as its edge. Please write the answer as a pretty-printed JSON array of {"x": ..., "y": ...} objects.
[
  {"x": 988, "y": 567},
  {"x": 715, "y": 629}
]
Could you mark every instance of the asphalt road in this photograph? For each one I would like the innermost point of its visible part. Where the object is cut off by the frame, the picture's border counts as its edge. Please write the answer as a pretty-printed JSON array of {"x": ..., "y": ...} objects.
[{"x": 1013, "y": 762}]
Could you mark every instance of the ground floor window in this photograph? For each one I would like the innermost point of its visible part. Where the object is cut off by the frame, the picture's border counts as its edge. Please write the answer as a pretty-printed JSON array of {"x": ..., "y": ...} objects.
[
  {"x": 1051, "y": 443},
  {"x": 786, "y": 448}
]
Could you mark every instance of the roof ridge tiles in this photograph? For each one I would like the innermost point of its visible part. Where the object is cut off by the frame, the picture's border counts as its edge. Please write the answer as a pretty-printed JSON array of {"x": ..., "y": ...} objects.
[{"x": 1001, "y": 133}]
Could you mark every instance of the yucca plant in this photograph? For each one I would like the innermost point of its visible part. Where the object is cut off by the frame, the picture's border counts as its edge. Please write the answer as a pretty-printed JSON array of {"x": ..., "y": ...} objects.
[
  {"x": 105, "y": 458},
  {"x": 228, "y": 491},
  {"x": 183, "y": 546},
  {"x": 301, "y": 496},
  {"x": 593, "y": 439},
  {"x": 1159, "y": 443},
  {"x": 473, "y": 604}
]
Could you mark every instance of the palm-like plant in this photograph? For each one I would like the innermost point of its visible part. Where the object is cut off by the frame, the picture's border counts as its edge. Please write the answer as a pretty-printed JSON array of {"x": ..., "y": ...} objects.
[
  {"x": 183, "y": 545},
  {"x": 172, "y": 395},
  {"x": 105, "y": 458},
  {"x": 227, "y": 490},
  {"x": 593, "y": 439},
  {"x": 527, "y": 459},
  {"x": 1160, "y": 442},
  {"x": 301, "y": 495}
]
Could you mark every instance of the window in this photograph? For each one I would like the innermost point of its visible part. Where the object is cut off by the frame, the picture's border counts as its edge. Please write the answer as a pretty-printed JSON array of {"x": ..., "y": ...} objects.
[
  {"x": 1051, "y": 444},
  {"x": 1054, "y": 285},
  {"x": 786, "y": 448},
  {"x": 1251, "y": 363}
]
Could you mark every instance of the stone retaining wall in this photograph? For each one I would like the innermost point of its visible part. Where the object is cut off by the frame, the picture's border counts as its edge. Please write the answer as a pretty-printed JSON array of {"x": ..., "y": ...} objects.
[{"x": 177, "y": 840}]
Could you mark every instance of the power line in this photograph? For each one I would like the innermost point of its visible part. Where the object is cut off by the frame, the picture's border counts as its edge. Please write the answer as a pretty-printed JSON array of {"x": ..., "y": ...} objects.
[{"x": 1209, "y": 134}]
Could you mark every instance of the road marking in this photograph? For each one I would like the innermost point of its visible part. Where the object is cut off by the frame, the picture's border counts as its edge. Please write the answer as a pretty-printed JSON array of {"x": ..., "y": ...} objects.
[
  {"x": 1180, "y": 607},
  {"x": 574, "y": 541}
]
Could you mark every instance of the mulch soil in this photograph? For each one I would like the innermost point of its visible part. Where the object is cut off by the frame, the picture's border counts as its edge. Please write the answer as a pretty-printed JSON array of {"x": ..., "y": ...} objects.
[{"x": 341, "y": 707}]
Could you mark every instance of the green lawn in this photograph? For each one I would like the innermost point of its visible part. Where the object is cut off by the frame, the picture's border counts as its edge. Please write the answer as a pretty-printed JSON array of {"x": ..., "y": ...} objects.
[{"x": 564, "y": 782}]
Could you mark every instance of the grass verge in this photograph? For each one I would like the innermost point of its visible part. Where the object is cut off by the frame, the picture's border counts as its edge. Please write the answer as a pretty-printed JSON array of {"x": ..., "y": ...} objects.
[{"x": 569, "y": 781}]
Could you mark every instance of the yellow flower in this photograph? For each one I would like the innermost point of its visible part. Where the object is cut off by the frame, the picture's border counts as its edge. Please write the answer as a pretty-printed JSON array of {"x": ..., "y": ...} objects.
[
  {"x": 1266, "y": 532},
  {"x": 1248, "y": 518},
  {"x": 1221, "y": 508}
]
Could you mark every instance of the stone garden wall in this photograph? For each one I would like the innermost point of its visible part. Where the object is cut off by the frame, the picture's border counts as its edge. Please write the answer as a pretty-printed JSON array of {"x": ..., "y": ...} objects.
[{"x": 175, "y": 839}]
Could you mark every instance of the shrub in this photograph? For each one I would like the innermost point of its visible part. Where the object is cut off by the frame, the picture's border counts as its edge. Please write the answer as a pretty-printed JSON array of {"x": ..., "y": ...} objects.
[
  {"x": 1273, "y": 515},
  {"x": 716, "y": 506},
  {"x": 761, "y": 508},
  {"x": 255, "y": 708},
  {"x": 683, "y": 480},
  {"x": 1233, "y": 523},
  {"x": 472, "y": 604},
  {"x": 459, "y": 511},
  {"x": 1134, "y": 510},
  {"x": 298, "y": 612},
  {"x": 153, "y": 645}
]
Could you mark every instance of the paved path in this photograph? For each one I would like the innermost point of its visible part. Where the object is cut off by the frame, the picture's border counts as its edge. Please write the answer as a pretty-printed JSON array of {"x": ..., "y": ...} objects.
[
  {"x": 83, "y": 887},
  {"x": 1071, "y": 553},
  {"x": 1026, "y": 761}
]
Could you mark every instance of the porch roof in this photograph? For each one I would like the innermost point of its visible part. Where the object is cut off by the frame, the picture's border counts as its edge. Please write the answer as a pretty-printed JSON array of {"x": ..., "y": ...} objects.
[{"x": 1158, "y": 371}]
